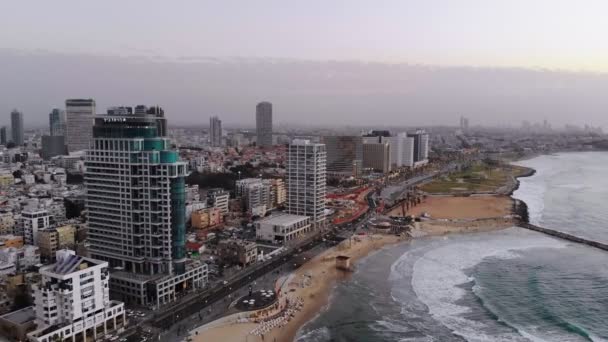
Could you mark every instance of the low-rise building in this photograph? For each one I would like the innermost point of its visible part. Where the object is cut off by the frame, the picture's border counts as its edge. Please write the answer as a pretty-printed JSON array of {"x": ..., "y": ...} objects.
[
  {"x": 10, "y": 240},
  {"x": 237, "y": 252},
  {"x": 207, "y": 217},
  {"x": 7, "y": 224},
  {"x": 73, "y": 301},
  {"x": 15, "y": 325},
  {"x": 23, "y": 258},
  {"x": 283, "y": 228}
]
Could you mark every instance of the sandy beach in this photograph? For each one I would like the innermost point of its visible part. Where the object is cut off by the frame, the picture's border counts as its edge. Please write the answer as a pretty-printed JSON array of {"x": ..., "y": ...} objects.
[{"x": 450, "y": 207}]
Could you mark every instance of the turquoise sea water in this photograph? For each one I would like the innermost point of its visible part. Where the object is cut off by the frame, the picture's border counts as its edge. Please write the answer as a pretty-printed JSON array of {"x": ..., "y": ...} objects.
[{"x": 509, "y": 285}]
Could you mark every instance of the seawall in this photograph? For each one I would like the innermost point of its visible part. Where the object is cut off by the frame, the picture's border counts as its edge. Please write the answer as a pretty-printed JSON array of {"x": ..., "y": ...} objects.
[{"x": 565, "y": 236}]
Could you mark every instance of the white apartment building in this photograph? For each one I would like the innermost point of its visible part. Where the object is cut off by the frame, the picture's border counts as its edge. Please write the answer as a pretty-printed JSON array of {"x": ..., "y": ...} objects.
[
  {"x": 306, "y": 180},
  {"x": 32, "y": 220},
  {"x": 257, "y": 194},
  {"x": 218, "y": 198},
  {"x": 282, "y": 229},
  {"x": 401, "y": 149},
  {"x": 72, "y": 301},
  {"x": 79, "y": 119},
  {"x": 23, "y": 258}
]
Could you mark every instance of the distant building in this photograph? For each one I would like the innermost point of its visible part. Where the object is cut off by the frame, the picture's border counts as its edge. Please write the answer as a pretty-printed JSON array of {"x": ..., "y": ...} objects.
[
  {"x": 421, "y": 146},
  {"x": 79, "y": 123},
  {"x": 17, "y": 127},
  {"x": 263, "y": 124},
  {"x": 344, "y": 155},
  {"x": 257, "y": 195},
  {"x": 218, "y": 198},
  {"x": 401, "y": 149},
  {"x": 377, "y": 156},
  {"x": 283, "y": 229},
  {"x": 215, "y": 131},
  {"x": 73, "y": 302},
  {"x": 53, "y": 146},
  {"x": 57, "y": 122},
  {"x": 53, "y": 239},
  {"x": 237, "y": 252},
  {"x": 3, "y": 136},
  {"x": 306, "y": 180}
]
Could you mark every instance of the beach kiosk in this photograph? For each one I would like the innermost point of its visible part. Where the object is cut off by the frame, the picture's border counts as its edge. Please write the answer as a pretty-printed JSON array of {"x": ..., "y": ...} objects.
[{"x": 343, "y": 263}]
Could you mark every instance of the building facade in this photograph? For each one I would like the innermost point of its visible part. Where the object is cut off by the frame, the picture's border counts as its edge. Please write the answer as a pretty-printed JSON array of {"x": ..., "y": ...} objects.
[
  {"x": 79, "y": 123},
  {"x": 344, "y": 155},
  {"x": 218, "y": 198},
  {"x": 421, "y": 146},
  {"x": 283, "y": 229},
  {"x": 72, "y": 301},
  {"x": 237, "y": 252},
  {"x": 377, "y": 157},
  {"x": 215, "y": 131},
  {"x": 52, "y": 146},
  {"x": 306, "y": 180},
  {"x": 263, "y": 124},
  {"x": 3, "y": 136},
  {"x": 135, "y": 197},
  {"x": 17, "y": 127},
  {"x": 57, "y": 122},
  {"x": 33, "y": 220}
]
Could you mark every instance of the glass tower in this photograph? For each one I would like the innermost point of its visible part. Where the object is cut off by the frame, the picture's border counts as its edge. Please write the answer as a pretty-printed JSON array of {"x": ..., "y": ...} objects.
[{"x": 135, "y": 193}]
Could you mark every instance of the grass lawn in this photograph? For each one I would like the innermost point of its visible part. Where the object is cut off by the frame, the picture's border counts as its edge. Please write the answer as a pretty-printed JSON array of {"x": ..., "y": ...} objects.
[{"x": 478, "y": 178}]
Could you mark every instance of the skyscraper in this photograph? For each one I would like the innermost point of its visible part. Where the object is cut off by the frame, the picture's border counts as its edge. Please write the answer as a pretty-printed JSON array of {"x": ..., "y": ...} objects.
[
  {"x": 3, "y": 136},
  {"x": 215, "y": 131},
  {"x": 263, "y": 123},
  {"x": 421, "y": 146},
  {"x": 305, "y": 178},
  {"x": 17, "y": 127},
  {"x": 57, "y": 122},
  {"x": 136, "y": 207},
  {"x": 79, "y": 117},
  {"x": 377, "y": 156},
  {"x": 344, "y": 155}
]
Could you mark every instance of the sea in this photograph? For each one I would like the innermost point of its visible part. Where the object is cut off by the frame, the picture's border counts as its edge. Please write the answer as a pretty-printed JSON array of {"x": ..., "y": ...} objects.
[{"x": 507, "y": 285}]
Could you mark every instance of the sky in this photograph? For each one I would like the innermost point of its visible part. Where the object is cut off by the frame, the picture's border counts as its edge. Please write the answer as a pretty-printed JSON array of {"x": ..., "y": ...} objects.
[{"x": 510, "y": 45}]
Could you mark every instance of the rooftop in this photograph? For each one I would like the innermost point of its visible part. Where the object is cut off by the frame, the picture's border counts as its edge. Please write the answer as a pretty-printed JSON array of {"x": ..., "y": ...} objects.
[
  {"x": 284, "y": 219},
  {"x": 20, "y": 316}
]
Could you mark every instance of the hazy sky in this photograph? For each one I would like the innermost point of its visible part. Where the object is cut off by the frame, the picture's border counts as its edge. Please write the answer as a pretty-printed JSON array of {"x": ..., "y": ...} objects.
[{"x": 320, "y": 39}]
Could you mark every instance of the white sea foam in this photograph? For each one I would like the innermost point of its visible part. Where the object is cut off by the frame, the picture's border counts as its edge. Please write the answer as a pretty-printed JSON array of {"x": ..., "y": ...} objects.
[
  {"x": 321, "y": 334},
  {"x": 437, "y": 274}
]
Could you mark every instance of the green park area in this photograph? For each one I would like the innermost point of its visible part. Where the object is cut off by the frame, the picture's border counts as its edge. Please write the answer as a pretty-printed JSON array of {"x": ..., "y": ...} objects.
[{"x": 480, "y": 176}]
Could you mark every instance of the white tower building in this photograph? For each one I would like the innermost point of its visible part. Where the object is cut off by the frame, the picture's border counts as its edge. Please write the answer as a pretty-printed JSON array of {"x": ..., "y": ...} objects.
[{"x": 306, "y": 168}]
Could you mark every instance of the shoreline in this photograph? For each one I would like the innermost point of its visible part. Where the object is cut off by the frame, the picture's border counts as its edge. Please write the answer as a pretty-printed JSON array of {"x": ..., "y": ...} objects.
[{"x": 323, "y": 275}]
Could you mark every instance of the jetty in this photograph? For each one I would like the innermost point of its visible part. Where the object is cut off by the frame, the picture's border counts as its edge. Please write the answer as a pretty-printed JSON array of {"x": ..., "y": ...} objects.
[
  {"x": 520, "y": 208},
  {"x": 564, "y": 236}
]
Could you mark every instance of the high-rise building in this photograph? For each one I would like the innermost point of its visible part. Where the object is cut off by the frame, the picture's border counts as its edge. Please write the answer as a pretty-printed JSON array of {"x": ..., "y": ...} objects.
[
  {"x": 421, "y": 146},
  {"x": 377, "y": 156},
  {"x": 52, "y": 145},
  {"x": 79, "y": 123},
  {"x": 3, "y": 136},
  {"x": 17, "y": 127},
  {"x": 401, "y": 149},
  {"x": 57, "y": 122},
  {"x": 344, "y": 155},
  {"x": 136, "y": 208},
  {"x": 72, "y": 301},
  {"x": 306, "y": 181},
  {"x": 263, "y": 123},
  {"x": 215, "y": 131}
]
